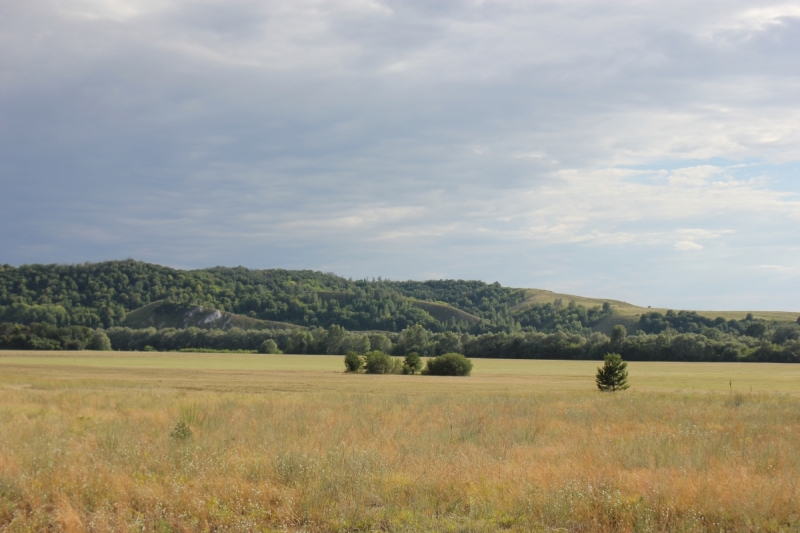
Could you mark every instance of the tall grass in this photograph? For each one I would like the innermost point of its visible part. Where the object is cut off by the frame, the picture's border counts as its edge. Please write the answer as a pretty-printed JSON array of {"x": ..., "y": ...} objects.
[{"x": 102, "y": 459}]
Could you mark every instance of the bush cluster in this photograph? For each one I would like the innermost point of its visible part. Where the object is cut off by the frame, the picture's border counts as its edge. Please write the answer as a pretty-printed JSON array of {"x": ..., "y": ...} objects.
[
  {"x": 449, "y": 364},
  {"x": 375, "y": 362},
  {"x": 380, "y": 363}
]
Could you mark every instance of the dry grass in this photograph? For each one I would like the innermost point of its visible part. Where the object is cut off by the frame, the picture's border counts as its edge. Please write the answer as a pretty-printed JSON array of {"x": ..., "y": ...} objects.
[
  {"x": 88, "y": 447},
  {"x": 628, "y": 314}
]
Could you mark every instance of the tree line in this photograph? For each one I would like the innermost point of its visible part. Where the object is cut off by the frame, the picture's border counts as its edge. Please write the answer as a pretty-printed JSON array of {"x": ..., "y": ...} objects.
[
  {"x": 49, "y": 337},
  {"x": 335, "y": 340},
  {"x": 666, "y": 346}
]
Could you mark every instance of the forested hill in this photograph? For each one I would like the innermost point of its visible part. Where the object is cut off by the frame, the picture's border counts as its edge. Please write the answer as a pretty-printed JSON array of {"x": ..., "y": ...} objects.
[
  {"x": 136, "y": 294},
  {"x": 103, "y": 294}
]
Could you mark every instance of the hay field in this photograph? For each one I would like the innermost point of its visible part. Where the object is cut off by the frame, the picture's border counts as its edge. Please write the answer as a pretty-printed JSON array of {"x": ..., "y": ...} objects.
[{"x": 290, "y": 443}]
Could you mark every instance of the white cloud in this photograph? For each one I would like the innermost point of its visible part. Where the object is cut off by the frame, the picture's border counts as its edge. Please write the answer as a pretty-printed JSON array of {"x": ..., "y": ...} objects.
[
  {"x": 686, "y": 246},
  {"x": 587, "y": 207},
  {"x": 760, "y": 18},
  {"x": 778, "y": 268},
  {"x": 107, "y": 10}
]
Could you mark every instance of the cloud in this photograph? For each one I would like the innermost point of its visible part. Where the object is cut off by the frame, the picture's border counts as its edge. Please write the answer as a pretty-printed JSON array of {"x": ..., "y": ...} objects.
[
  {"x": 778, "y": 268},
  {"x": 539, "y": 144},
  {"x": 686, "y": 246},
  {"x": 760, "y": 19}
]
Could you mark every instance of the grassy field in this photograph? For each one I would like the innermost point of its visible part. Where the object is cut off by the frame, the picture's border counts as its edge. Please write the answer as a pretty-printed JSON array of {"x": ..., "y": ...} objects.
[{"x": 88, "y": 443}]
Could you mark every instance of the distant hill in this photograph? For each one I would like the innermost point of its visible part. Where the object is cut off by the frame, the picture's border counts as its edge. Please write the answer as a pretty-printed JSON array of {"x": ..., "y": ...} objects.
[
  {"x": 161, "y": 315},
  {"x": 440, "y": 311},
  {"x": 628, "y": 314},
  {"x": 137, "y": 294},
  {"x": 445, "y": 313}
]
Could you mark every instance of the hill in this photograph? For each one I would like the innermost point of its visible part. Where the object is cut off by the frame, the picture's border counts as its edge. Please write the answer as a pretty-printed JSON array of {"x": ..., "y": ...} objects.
[
  {"x": 629, "y": 314},
  {"x": 445, "y": 313},
  {"x": 161, "y": 315},
  {"x": 137, "y": 294},
  {"x": 104, "y": 294}
]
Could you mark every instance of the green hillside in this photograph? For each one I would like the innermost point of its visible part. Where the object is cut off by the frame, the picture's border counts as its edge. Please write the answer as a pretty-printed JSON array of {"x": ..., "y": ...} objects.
[
  {"x": 445, "y": 313},
  {"x": 629, "y": 315},
  {"x": 104, "y": 294},
  {"x": 136, "y": 294},
  {"x": 161, "y": 315}
]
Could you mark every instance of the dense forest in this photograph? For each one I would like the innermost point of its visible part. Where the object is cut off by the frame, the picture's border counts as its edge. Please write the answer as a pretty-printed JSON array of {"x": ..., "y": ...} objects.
[
  {"x": 102, "y": 294},
  {"x": 60, "y": 307}
]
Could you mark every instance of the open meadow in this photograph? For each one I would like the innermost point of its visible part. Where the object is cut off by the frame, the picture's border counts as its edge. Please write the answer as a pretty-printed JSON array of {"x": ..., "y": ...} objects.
[{"x": 203, "y": 442}]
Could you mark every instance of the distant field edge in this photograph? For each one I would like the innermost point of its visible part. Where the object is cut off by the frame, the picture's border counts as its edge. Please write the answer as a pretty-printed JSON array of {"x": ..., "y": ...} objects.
[{"x": 625, "y": 309}]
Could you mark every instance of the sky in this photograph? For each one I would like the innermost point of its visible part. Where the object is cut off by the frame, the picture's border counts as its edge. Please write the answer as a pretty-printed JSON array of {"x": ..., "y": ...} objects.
[{"x": 646, "y": 151}]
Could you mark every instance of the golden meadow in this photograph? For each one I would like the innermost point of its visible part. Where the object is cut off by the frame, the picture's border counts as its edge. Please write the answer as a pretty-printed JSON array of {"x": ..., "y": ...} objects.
[{"x": 88, "y": 442}]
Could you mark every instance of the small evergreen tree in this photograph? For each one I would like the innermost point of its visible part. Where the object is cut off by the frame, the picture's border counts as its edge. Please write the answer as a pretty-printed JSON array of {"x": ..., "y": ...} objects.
[
  {"x": 181, "y": 431},
  {"x": 353, "y": 362},
  {"x": 613, "y": 375},
  {"x": 412, "y": 363}
]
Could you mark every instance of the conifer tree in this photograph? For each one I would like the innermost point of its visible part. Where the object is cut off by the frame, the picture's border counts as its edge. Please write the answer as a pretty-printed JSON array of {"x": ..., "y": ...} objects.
[{"x": 613, "y": 375}]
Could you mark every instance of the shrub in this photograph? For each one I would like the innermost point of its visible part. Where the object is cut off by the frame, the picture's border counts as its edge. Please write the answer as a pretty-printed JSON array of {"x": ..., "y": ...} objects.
[
  {"x": 100, "y": 341},
  {"x": 353, "y": 362},
  {"x": 181, "y": 431},
  {"x": 412, "y": 363},
  {"x": 613, "y": 375},
  {"x": 269, "y": 346},
  {"x": 380, "y": 363},
  {"x": 449, "y": 364}
]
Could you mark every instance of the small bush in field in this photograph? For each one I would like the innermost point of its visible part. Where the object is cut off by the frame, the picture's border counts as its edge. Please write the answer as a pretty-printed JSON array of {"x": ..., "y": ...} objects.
[
  {"x": 269, "y": 346},
  {"x": 412, "y": 363},
  {"x": 181, "y": 431},
  {"x": 353, "y": 362},
  {"x": 381, "y": 363},
  {"x": 449, "y": 364}
]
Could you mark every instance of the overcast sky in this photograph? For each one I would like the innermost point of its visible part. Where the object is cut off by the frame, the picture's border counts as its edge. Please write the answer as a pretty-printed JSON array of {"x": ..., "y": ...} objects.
[{"x": 638, "y": 150}]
